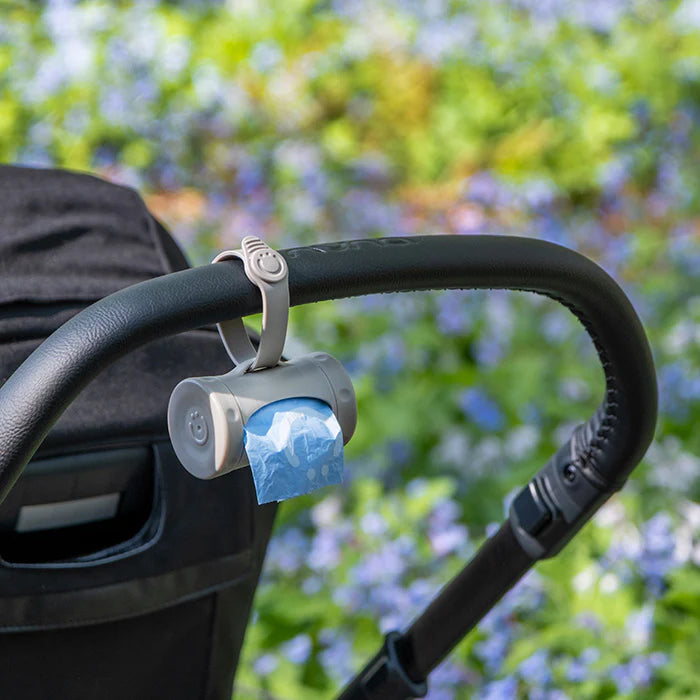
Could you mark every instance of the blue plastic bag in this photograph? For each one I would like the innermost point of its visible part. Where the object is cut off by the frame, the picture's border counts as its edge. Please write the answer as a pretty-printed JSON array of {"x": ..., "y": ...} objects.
[{"x": 294, "y": 446}]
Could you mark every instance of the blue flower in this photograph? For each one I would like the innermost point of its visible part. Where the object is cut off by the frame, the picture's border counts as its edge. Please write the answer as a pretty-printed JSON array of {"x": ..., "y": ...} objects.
[
  {"x": 484, "y": 189},
  {"x": 266, "y": 56},
  {"x": 538, "y": 193},
  {"x": 298, "y": 649},
  {"x": 640, "y": 671},
  {"x": 622, "y": 678},
  {"x": 287, "y": 551},
  {"x": 337, "y": 657},
  {"x": 489, "y": 349},
  {"x": 400, "y": 451},
  {"x": 576, "y": 671},
  {"x": 453, "y": 316},
  {"x": 312, "y": 585},
  {"x": 505, "y": 689},
  {"x": 421, "y": 592},
  {"x": 590, "y": 655},
  {"x": 265, "y": 664},
  {"x": 637, "y": 673},
  {"x": 445, "y": 680},
  {"x": 552, "y": 228},
  {"x": 439, "y": 39},
  {"x": 557, "y": 326},
  {"x": 388, "y": 564},
  {"x": 444, "y": 513},
  {"x": 679, "y": 388},
  {"x": 639, "y": 626},
  {"x": 373, "y": 524},
  {"x": 493, "y": 650},
  {"x": 684, "y": 251},
  {"x": 351, "y": 598},
  {"x": 325, "y": 550},
  {"x": 448, "y": 540},
  {"x": 535, "y": 670},
  {"x": 481, "y": 410},
  {"x": 657, "y": 557}
]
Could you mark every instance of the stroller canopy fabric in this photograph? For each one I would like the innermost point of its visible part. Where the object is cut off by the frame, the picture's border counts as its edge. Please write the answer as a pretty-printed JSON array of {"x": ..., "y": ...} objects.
[{"x": 67, "y": 240}]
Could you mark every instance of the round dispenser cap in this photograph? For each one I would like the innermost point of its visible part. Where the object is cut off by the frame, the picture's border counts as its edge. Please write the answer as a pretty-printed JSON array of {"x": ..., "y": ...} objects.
[
  {"x": 345, "y": 408},
  {"x": 205, "y": 427}
]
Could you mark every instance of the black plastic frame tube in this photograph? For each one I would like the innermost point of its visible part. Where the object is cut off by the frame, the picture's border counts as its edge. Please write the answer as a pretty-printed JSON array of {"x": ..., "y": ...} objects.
[
  {"x": 495, "y": 569},
  {"x": 402, "y": 666}
]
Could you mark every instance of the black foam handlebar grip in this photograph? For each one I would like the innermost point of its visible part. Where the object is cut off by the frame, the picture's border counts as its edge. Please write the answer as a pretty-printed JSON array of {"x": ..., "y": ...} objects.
[{"x": 616, "y": 438}]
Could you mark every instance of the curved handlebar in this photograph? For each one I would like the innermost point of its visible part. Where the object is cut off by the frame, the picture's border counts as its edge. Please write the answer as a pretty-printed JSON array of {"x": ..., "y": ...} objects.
[{"x": 605, "y": 450}]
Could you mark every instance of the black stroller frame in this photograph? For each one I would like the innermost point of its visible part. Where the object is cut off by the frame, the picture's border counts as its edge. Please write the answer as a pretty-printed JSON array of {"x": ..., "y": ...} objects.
[{"x": 545, "y": 515}]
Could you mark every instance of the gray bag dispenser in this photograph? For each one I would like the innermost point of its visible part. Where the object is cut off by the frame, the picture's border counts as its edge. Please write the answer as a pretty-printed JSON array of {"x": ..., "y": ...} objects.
[{"x": 206, "y": 415}]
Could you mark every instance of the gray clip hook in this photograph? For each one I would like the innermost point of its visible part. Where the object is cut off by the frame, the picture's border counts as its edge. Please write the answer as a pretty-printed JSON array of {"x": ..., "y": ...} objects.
[{"x": 266, "y": 269}]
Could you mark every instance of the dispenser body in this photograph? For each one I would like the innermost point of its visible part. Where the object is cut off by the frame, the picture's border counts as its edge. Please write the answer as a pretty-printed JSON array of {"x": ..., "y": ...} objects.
[{"x": 207, "y": 415}]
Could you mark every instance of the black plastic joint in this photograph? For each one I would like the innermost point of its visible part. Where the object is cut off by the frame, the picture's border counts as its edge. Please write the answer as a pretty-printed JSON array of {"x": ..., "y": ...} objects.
[
  {"x": 558, "y": 501},
  {"x": 384, "y": 677},
  {"x": 532, "y": 512}
]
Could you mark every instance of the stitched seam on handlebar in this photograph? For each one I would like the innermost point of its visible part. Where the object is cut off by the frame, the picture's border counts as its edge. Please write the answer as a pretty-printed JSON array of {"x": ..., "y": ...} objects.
[
  {"x": 609, "y": 418},
  {"x": 606, "y": 424}
]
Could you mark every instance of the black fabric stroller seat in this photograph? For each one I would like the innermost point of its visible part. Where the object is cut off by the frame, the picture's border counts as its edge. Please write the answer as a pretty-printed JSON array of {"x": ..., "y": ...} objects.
[{"x": 120, "y": 574}]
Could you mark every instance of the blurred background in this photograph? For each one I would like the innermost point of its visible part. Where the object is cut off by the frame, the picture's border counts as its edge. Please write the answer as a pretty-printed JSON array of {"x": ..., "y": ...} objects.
[{"x": 302, "y": 121}]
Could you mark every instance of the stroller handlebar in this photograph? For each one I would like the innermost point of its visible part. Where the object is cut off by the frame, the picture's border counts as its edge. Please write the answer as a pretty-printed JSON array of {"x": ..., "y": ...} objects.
[
  {"x": 34, "y": 397},
  {"x": 553, "y": 506}
]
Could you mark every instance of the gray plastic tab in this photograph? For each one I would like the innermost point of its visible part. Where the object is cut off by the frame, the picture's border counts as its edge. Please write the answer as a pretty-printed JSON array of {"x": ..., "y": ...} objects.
[{"x": 267, "y": 269}]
